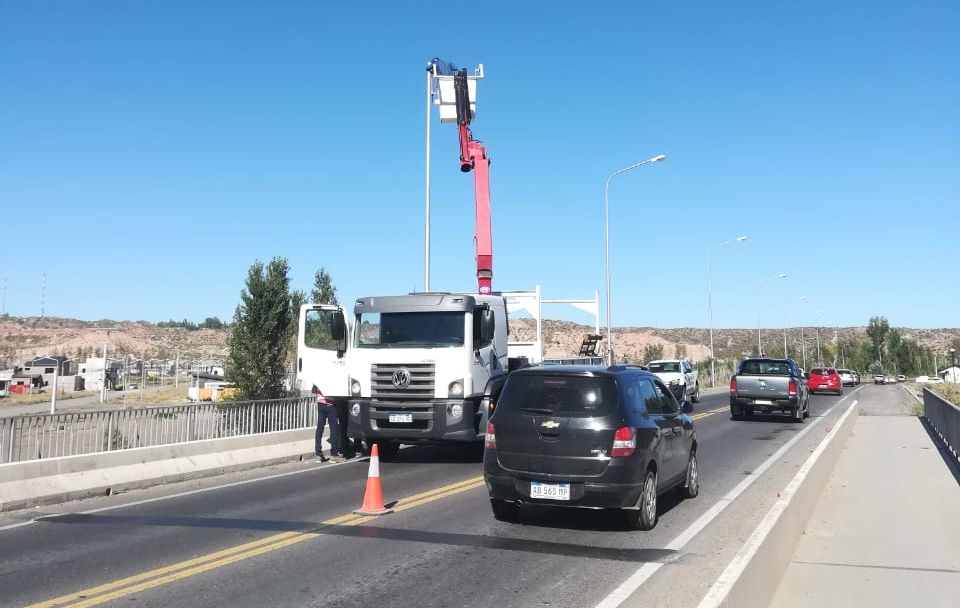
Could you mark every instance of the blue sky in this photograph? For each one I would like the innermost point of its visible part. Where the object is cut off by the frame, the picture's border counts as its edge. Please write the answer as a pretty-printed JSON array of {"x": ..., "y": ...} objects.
[{"x": 151, "y": 151}]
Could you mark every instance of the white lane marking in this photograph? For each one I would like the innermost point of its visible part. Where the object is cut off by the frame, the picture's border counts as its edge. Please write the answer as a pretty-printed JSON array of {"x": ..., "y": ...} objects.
[
  {"x": 721, "y": 587},
  {"x": 644, "y": 572},
  {"x": 180, "y": 494}
]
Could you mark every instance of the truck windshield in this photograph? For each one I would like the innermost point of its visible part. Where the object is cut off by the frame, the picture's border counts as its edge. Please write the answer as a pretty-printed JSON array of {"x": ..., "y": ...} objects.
[
  {"x": 410, "y": 329},
  {"x": 765, "y": 368},
  {"x": 660, "y": 368}
]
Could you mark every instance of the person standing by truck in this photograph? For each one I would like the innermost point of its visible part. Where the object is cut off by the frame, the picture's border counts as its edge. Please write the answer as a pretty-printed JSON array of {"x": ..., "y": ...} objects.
[{"x": 326, "y": 414}]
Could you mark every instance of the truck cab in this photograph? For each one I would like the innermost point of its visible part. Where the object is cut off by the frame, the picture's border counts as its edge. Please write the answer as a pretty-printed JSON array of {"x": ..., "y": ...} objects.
[{"x": 410, "y": 368}]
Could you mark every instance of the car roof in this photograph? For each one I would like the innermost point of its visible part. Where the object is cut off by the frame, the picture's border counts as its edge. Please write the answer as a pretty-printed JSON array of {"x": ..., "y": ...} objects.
[{"x": 586, "y": 371}]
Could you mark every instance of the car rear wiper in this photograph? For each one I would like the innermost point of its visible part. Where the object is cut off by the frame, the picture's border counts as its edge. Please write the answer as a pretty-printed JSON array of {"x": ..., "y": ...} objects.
[{"x": 537, "y": 410}]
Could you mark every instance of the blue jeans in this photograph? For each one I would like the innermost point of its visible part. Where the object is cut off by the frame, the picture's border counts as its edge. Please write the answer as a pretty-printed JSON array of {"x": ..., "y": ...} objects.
[{"x": 327, "y": 414}]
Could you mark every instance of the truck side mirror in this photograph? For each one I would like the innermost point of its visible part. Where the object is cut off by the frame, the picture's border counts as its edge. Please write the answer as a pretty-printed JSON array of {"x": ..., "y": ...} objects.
[
  {"x": 338, "y": 326},
  {"x": 488, "y": 324}
]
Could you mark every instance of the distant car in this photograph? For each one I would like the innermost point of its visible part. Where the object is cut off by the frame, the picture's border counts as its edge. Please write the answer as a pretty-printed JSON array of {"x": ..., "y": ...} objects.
[
  {"x": 847, "y": 377},
  {"x": 856, "y": 378},
  {"x": 935, "y": 380},
  {"x": 679, "y": 375},
  {"x": 575, "y": 436},
  {"x": 824, "y": 379},
  {"x": 901, "y": 378},
  {"x": 879, "y": 379},
  {"x": 889, "y": 379}
]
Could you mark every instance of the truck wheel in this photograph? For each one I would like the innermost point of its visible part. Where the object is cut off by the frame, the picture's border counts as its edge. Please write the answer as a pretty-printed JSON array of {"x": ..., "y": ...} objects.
[
  {"x": 734, "y": 415},
  {"x": 388, "y": 449},
  {"x": 695, "y": 398},
  {"x": 645, "y": 517},
  {"x": 503, "y": 510},
  {"x": 798, "y": 414}
]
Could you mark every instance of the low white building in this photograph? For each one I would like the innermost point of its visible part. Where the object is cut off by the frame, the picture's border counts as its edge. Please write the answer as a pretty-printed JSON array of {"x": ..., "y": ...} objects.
[{"x": 950, "y": 374}]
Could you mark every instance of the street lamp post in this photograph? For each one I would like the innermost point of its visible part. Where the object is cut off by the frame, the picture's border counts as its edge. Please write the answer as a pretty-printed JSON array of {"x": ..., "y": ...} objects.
[
  {"x": 782, "y": 275},
  {"x": 606, "y": 239},
  {"x": 953, "y": 365},
  {"x": 713, "y": 357}
]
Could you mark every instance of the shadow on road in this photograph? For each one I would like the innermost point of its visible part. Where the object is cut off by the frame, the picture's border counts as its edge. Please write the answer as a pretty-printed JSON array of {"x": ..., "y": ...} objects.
[
  {"x": 439, "y": 454},
  {"x": 638, "y": 555}
]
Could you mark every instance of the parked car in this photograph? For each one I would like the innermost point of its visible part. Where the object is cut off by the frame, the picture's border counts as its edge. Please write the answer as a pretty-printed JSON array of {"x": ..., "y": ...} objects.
[
  {"x": 847, "y": 377},
  {"x": 824, "y": 379},
  {"x": 590, "y": 437},
  {"x": 679, "y": 375},
  {"x": 763, "y": 385}
]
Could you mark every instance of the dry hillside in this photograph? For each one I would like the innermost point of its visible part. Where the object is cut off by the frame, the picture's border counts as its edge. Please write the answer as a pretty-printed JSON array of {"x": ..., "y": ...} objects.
[{"x": 25, "y": 337}]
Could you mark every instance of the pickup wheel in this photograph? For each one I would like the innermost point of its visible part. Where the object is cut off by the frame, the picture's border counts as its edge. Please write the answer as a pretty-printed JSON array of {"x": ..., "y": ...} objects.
[
  {"x": 798, "y": 414},
  {"x": 734, "y": 415},
  {"x": 695, "y": 398}
]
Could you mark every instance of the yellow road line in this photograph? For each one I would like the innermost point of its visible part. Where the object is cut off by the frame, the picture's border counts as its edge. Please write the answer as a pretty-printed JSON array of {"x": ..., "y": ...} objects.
[{"x": 191, "y": 567}]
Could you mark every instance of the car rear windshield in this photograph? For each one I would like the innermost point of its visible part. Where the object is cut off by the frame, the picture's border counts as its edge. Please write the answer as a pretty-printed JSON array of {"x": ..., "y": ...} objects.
[
  {"x": 822, "y": 371},
  {"x": 559, "y": 395},
  {"x": 669, "y": 368},
  {"x": 765, "y": 368}
]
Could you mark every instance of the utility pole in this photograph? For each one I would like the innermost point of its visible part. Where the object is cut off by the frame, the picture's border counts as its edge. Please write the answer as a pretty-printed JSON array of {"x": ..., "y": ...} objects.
[
  {"x": 176, "y": 370},
  {"x": 43, "y": 294}
]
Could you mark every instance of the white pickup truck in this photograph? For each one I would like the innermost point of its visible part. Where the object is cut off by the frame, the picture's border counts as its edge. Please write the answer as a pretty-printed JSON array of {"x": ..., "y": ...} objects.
[{"x": 679, "y": 375}]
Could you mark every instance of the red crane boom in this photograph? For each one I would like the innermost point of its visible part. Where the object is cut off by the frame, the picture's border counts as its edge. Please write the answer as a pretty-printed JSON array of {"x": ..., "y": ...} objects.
[{"x": 473, "y": 157}]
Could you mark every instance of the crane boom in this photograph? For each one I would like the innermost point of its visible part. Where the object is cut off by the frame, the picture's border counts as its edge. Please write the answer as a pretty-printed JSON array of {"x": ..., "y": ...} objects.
[{"x": 473, "y": 157}]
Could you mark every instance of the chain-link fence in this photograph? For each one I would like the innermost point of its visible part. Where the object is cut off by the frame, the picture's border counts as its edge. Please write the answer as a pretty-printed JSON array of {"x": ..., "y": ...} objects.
[{"x": 36, "y": 437}]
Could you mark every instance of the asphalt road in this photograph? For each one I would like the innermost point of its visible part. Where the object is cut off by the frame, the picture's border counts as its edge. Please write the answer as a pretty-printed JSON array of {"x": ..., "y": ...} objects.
[{"x": 286, "y": 536}]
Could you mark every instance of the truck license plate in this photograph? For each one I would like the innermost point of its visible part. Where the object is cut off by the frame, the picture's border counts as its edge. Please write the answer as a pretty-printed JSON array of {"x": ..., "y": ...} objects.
[
  {"x": 553, "y": 491},
  {"x": 401, "y": 417},
  {"x": 763, "y": 402}
]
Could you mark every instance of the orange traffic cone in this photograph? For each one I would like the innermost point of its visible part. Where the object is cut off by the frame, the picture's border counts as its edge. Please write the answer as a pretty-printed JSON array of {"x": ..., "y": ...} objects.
[{"x": 373, "y": 497}]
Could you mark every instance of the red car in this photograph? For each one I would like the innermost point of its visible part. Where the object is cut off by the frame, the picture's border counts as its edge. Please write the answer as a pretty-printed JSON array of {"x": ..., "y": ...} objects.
[{"x": 824, "y": 379}]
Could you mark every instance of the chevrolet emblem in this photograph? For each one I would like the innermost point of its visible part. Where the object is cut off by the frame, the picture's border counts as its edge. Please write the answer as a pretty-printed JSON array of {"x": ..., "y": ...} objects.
[{"x": 550, "y": 424}]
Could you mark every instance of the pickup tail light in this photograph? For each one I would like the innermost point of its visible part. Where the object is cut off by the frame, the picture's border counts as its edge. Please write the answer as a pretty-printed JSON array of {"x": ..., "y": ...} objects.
[
  {"x": 490, "y": 442},
  {"x": 792, "y": 388},
  {"x": 733, "y": 386},
  {"x": 624, "y": 442}
]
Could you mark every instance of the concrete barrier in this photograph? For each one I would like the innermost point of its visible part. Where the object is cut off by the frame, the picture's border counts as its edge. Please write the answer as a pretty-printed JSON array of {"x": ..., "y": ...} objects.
[
  {"x": 751, "y": 579},
  {"x": 56, "y": 480}
]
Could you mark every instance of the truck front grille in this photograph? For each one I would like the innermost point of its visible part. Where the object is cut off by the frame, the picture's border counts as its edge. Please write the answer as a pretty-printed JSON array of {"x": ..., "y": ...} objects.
[{"x": 422, "y": 381}]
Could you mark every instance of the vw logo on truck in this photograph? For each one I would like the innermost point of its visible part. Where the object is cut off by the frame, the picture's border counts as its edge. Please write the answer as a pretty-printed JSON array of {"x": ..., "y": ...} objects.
[{"x": 401, "y": 378}]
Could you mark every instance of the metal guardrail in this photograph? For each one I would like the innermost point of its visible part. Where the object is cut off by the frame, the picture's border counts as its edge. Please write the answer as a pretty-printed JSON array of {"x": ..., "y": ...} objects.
[
  {"x": 36, "y": 437},
  {"x": 944, "y": 417}
]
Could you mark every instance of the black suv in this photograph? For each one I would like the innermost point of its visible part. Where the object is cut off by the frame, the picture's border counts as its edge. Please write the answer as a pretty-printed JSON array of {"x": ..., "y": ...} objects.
[{"x": 592, "y": 437}]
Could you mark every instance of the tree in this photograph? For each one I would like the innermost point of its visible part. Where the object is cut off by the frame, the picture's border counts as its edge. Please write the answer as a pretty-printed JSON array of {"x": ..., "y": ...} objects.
[
  {"x": 652, "y": 352},
  {"x": 260, "y": 339},
  {"x": 324, "y": 291},
  {"x": 877, "y": 329},
  {"x": 679, "y": 350}
]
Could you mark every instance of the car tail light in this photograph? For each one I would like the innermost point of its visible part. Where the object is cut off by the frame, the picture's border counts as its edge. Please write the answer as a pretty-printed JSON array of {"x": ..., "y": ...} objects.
[
  {"x": 491, "y": 438},
  {"x": 792, "y": 389},
  {"x": 733, "y": 386},
  {"x": 624, "y": 442}
]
